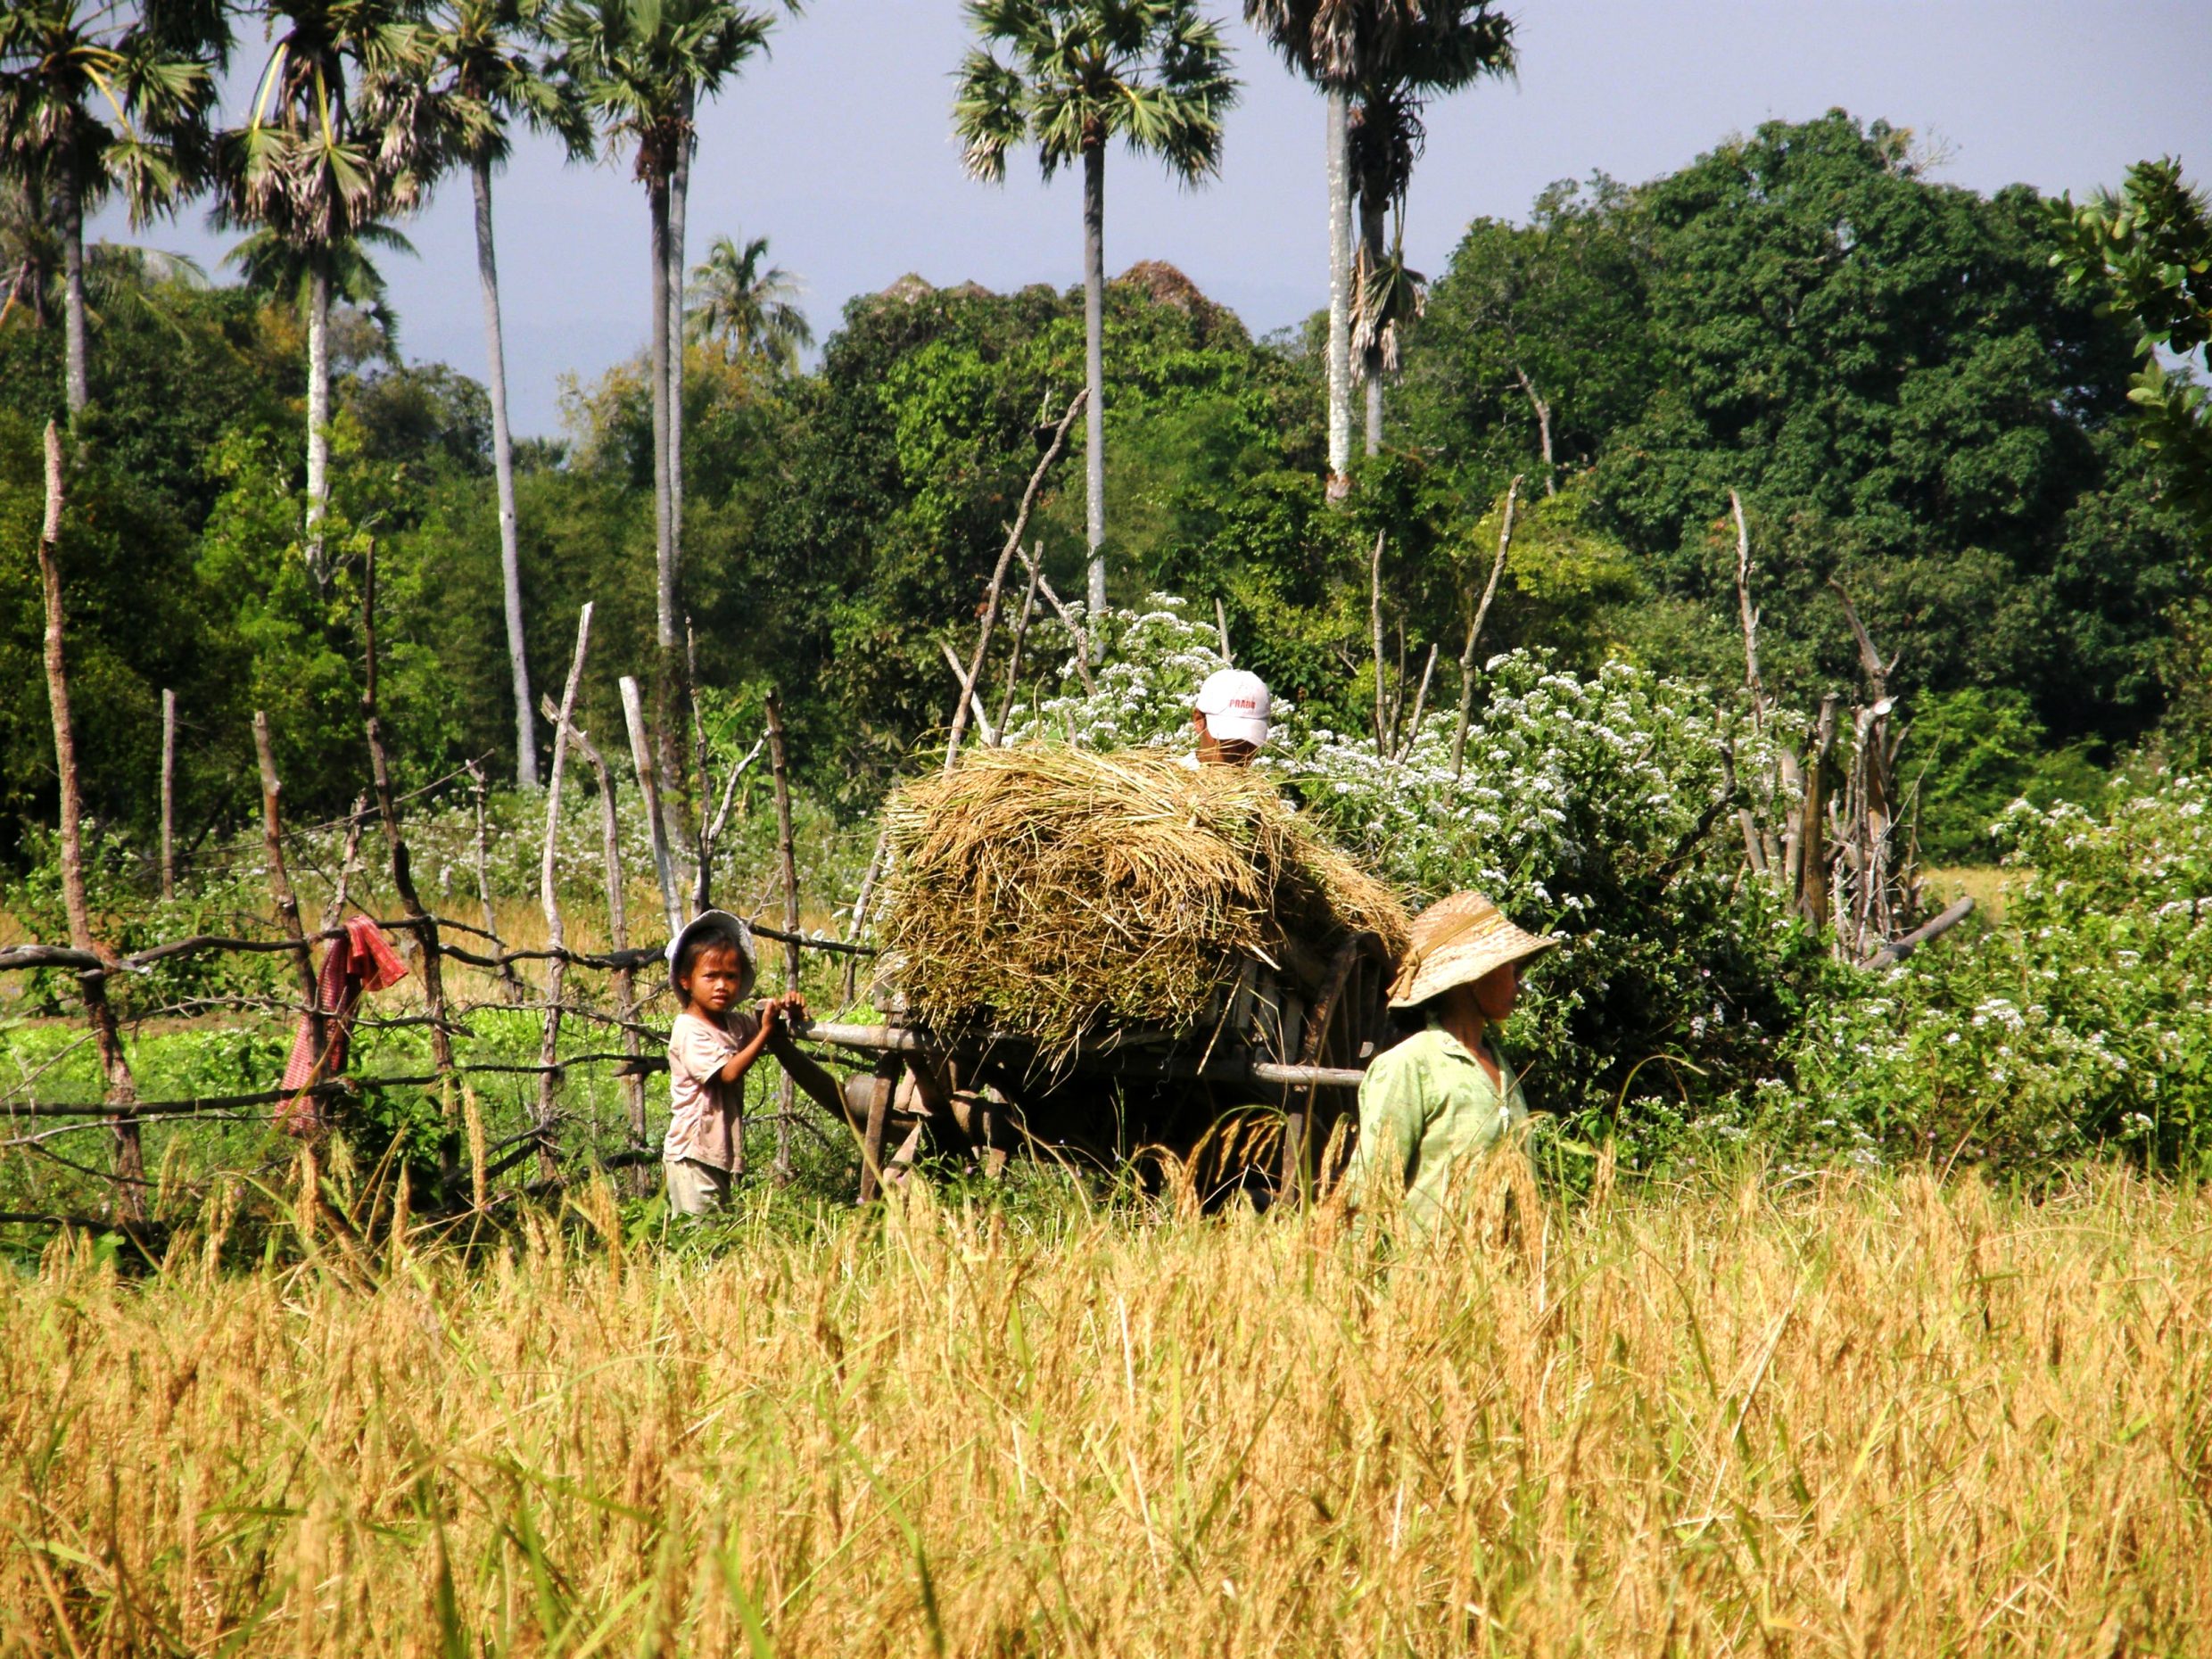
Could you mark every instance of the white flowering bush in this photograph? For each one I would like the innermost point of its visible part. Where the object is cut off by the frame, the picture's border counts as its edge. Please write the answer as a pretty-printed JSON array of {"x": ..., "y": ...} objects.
[
  {"x": 1592, "y": 806},
  {"x": 2083, "y": 1021}
]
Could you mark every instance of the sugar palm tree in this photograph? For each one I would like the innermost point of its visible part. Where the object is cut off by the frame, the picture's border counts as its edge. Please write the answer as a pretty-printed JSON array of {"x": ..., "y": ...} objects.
[
  {"x": 750, "y": 307},
  {"x": 641, "y": 66},
  {"x": 267, "y": 264},
  {"x": 1451, "y": 46},
  {"x": 491, "y": 80},
  {"x": 342, "y": 136},
  {"x": 1074, "y": 76},
  {"x": 1341, "y": 46},
  {"x": 94, "y": 101}
]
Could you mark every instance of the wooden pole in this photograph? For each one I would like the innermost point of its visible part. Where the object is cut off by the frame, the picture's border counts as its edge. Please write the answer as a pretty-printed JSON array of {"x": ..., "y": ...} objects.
[
  {"x": 549, "y": 898},
  {"x": 509, "y": 982},
  {"x": 168, "y": 794},
  {"x": 280, "y": 885},
  {"x": 425, "y": 924},
  {"x": 1021, "y": 638},
  {"x": 641, "y": 758},
  {"x": 1474, "y": 632},
  {"x": 860, "y": 909},
  {"x": 122, "y": 1089},
  {"x": 974, "y": 674},
  {"x": 1374, "y": 619},
  {"x": 778, "y": 764},
  {"x": 624, "y": 977},
  {"x": 1748, "y": 615},
  {"x": 1420, "y": 705},
  {"x": 1076, "y": 631},
  {"x": 333, "y": 912}
]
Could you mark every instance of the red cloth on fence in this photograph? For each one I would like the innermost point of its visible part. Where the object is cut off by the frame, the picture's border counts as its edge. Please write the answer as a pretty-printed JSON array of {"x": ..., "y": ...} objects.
[{"x": 359, "y": 962}]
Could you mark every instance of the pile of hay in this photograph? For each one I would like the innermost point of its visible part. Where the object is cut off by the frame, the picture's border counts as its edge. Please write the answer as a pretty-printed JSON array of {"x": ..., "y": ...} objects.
[{"x": 1059, "y": 893}]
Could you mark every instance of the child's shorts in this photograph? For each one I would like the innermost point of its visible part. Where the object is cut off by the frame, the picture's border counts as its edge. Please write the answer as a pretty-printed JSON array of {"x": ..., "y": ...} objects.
[{"x": 697, "y": 1189}]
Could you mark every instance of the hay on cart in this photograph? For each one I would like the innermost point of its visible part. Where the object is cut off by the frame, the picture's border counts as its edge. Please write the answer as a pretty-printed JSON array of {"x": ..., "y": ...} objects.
[{"x": 1060, "y": 895}]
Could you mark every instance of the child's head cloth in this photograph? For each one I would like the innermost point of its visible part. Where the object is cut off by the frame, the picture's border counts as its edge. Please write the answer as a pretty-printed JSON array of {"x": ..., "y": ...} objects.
[{"x": 711, "y": 927}]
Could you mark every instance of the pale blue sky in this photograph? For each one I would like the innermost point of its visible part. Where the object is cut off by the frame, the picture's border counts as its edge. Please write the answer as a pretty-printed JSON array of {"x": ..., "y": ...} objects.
[{"x": 838, "y": 148}]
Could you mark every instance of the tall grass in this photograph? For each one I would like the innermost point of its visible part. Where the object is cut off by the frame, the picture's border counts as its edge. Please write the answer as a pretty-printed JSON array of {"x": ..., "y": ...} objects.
[{"x": 1849, "y": 1414}]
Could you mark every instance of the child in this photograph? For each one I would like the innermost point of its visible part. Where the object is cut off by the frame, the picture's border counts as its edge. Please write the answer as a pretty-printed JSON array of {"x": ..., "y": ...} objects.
[{"x": 711, "y": 1047}]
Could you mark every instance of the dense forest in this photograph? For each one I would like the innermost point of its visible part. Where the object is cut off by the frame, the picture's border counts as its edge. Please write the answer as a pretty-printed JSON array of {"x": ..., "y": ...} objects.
[{"x": 1916, "y": 403}]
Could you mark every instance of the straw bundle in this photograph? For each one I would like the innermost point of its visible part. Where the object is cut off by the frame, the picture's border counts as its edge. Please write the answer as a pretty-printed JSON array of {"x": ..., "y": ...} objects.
[{"x": 1060, "y": 894}]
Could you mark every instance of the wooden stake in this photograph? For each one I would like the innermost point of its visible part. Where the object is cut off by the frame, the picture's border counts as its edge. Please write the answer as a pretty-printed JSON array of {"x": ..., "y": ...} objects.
[
  {"x": 168, "y": 794},
  {"x": 1375, "y": 618},
  {"x": 778, "y": 766},
  {"x": 425, "y": 924},
  {"x": 1067, "y": 619},
  {"x": 549, "y": 898},
  {"x": 280, "y": 885},
  {"x": 334, "y": 910},
  {"x": 1747, "y": 615},
  {"x": 510, "y": 981},
  {"x": 974, "y": 672},
  {"x": 1420, "y": 705},
  {"x": 1474, "y": 632},
  {"x": 641, "y": 758},
  {"x": 122, "y": 1088},
  {"x": 624, "y": 978},
  {"x": 1021, "y": 638}
]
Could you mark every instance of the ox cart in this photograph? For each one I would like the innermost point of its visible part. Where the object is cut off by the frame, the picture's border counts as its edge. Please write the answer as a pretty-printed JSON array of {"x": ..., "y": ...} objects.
[{"x": 1249, "y": 1099}]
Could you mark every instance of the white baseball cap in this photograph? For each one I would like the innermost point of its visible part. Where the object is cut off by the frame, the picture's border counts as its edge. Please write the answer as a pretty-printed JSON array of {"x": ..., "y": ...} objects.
[{"x": 1237, "y": 704}]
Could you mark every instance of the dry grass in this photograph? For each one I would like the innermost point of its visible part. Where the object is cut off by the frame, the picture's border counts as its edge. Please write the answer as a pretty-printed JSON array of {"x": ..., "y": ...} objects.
[
  {"x": 1870, "y": 1415},
  {"x": 1057, "y": 893}
]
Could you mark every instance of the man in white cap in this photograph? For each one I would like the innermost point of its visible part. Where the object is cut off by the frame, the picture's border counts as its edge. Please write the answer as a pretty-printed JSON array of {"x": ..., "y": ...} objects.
[
  {"x": 1433, "y": 1103},
  {"x": 1230, "y": 718}
]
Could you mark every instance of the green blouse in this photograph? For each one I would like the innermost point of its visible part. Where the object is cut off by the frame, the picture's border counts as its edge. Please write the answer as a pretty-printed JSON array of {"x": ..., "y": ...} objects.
[{"x": 1427, "y": 1107}]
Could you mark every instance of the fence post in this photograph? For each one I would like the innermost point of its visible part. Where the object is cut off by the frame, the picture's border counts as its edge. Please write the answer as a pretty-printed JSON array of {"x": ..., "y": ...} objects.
[
  {"x": 122, "y": 1089},
  {"x": 168, "y": 794},
  {"x": 549, "y": 896},
  {"x": 787, "y": 1097},
  {"x": 624, "y": 977},
  {"x": 280, "y": 886},
  {"x": 649, "y": 787},
  {"x": 425, "y": 924}
]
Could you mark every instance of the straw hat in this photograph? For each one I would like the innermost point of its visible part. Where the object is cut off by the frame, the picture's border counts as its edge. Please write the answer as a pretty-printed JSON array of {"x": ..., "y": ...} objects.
[
  {"x": 725, "y": 923},
  {"x": 1456, "y": 941}
]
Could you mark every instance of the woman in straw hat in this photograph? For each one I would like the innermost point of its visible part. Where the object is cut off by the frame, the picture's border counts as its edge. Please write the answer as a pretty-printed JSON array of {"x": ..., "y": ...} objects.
[{"x": 1445, "y": 1095}]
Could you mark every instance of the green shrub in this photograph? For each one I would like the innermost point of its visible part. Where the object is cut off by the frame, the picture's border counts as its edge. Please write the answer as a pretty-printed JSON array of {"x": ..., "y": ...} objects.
[{"x": 2083, "y": 1019}]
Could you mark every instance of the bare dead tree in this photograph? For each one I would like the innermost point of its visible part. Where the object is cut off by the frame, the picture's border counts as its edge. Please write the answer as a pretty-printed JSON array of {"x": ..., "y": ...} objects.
[
  {"x": 1474, "y": 631},
  {"x": 972, "y": 675},
  {"x": 1543, "y": 428},
  {"x": 122, "y": 1088}
]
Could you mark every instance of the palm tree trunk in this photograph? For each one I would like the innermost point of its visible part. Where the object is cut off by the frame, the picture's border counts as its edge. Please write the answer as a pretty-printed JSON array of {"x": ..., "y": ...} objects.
[
  {"x": 69, "y": 207},
  {"x": 318, "y": 410},
  {"x": 1094, "y": 370},
  {"x": 1339, "y": 289},
  {"x": 503, "y": 471},
  {"x": 1370, "y": 361},
  {"x": 678, "y": 194},
  {"x": 664, "y": 547},
  {"x": 680, "y": 690}
]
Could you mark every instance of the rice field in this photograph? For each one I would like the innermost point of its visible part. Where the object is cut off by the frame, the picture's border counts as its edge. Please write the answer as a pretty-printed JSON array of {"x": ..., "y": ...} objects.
[{"x": 1842, "y": 1414}]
